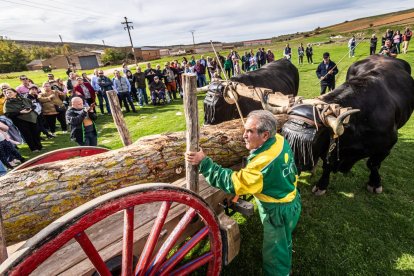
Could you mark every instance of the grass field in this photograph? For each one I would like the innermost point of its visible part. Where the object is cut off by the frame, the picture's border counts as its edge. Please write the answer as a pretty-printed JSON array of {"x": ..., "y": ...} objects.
[{"x": 346, "y": 232}]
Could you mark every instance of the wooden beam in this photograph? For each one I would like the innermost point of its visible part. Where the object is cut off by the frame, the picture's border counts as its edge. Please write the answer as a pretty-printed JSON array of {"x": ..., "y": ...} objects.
[
  {"x": 119, "y": 118},
  {"x": 192, "y": 133}
]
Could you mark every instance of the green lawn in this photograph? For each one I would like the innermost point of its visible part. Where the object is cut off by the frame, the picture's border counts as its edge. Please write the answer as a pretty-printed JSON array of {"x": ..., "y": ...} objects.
[{"x": 346, "y": 232}]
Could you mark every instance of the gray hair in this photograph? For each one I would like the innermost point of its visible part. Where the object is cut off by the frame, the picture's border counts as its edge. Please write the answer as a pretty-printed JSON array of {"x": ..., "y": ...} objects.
[{"x": 266, "y": 121}]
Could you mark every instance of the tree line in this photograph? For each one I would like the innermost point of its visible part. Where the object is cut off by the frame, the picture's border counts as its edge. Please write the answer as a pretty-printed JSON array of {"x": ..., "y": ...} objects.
[{"x": 14, "y": 57}]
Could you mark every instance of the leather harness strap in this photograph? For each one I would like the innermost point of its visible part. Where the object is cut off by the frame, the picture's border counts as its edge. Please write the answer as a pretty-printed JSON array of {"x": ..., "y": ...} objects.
[{"x": 304, "y": 119}]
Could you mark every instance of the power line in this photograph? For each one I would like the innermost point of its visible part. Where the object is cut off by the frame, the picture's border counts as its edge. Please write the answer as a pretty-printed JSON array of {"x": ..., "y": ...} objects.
[
  {"x": 40, "y": 7},
  {"x": 52, "y": 8},
  {"x": 80, "y": 7}
]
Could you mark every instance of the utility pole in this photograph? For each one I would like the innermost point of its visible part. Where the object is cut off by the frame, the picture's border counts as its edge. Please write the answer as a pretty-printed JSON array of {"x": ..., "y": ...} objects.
[
  {"x": 128, "y": 27},
  {"x": 192, "y": 33},
  {"x": 64, "y": 52}
]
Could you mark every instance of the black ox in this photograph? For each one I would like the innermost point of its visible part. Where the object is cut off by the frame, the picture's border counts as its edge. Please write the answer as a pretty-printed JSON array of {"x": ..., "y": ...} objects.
[
  {"x": 383, "y": 90},
  {"x": 279, "y": 76}
]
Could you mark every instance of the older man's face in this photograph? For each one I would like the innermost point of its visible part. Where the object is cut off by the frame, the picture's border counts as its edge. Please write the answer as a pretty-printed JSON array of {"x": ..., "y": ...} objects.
[
  {"x": 77, "y": 103},
  {"x": 251, "y": 137}
]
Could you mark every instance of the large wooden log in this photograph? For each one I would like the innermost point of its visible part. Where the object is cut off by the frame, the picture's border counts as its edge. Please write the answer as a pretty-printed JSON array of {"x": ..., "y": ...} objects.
[{"x": 34, "y": 197}]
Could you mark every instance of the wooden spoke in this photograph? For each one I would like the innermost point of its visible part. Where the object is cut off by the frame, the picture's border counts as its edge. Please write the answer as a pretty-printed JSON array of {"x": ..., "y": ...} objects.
[
  {"x": 180, "y": 254},
  {"x": 171, "y": 240},
  {"x": 193, "y": 265},
  {"x": 92, "y": 253},
  {"x": 128, "y": 242},
  {"x": 146, "y": 254}
]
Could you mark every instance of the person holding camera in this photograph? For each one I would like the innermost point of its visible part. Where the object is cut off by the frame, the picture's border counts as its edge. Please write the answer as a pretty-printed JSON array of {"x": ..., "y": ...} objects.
[
  {"x": 82, "y": 123},
  {"x": 20, "y": 111},
  {"x": 388, "y": 50}
]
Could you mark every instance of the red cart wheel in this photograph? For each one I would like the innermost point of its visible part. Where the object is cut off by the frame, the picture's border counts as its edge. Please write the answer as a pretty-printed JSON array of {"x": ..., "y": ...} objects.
[
  {"x": 61, "y": 154},
  {"x": 168, "y": 260}
]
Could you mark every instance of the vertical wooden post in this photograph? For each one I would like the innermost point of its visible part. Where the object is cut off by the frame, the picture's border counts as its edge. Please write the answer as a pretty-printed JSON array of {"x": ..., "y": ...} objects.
[
  {"x": 192, "y": 130},
  {"x": 3, "y": 246},
  {"x": 119, "y": 118}
]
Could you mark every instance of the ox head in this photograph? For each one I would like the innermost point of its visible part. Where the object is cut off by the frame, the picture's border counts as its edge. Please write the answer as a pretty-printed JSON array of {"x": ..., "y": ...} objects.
[{"x": 309, "y": 133}]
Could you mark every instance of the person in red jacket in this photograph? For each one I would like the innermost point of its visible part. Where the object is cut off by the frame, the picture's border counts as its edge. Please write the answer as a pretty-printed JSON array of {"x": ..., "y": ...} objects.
[
  {"x": 85, "y": 91},
  {"x": 406, "y": 39}
]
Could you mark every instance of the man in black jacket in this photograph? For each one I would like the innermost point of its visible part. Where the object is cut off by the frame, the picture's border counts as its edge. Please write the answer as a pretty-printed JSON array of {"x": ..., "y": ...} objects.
[
  {"x": 82, "y": 123},
  {"x": 157, "y": 89},
  {"x": 326, "y": 72}
]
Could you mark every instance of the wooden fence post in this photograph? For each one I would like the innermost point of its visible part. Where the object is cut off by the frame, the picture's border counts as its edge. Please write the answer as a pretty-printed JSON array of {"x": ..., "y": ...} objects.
[
  {"x": 192, "y": 131},
  {"x": 3, "y": 246},
  {"x": 119, "y": 118}
]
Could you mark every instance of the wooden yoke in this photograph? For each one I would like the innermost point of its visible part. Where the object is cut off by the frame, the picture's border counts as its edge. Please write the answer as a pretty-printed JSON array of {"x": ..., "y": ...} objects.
[
  {"x": 257, "y": 93},
  {"x": 192, "y": 133}
]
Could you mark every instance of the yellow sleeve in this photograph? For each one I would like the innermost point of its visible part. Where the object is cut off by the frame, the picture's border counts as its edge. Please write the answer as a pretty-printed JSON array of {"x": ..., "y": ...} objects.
[{"x": 250, "y": 179}]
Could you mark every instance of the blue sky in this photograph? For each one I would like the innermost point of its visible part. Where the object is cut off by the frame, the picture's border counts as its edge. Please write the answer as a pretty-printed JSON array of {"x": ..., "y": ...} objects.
[{"x": 165, "y": 22}]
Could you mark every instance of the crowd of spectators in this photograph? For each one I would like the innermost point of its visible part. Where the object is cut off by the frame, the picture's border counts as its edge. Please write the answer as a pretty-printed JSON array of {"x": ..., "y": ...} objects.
[{"x": 28, "y": 111}]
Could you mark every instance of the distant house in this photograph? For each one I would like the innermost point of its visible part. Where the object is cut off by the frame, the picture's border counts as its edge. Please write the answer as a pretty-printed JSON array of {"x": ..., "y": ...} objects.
[
  {"x": 35, "y": 65},
  {"x": 206, "y": 47},
  {"x": 142, "y": 54},
  {"x": 257, "y": 42},
  {"x": 81, "y": 60},
  {"x": 165, "y": 52},
  {"x": 149, "y": 53}
]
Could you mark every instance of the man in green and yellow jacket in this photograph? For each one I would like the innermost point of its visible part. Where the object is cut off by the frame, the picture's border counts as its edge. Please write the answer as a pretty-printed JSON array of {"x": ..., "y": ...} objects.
[{"x": 271, "y": 176}]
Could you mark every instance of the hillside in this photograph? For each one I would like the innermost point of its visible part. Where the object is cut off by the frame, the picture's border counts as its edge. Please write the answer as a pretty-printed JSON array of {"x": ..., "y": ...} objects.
[
  {"x": 400, "y": 18},
  {"x": 75, "y": 46}
]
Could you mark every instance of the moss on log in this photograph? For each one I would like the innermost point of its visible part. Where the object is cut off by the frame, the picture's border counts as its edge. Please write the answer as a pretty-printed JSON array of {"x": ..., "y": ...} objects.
[{"x": 32, "y": 198}]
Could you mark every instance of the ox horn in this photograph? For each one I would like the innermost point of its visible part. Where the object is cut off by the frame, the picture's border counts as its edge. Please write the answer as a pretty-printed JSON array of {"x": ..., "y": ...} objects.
[
  {"x": 337, "y": 123},
  {"x": 276, "y": 110}
]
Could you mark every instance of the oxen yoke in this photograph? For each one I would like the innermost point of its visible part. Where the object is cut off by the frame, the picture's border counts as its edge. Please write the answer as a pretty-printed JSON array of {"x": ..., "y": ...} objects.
[
  {"x": 306, "y": 118},
  {"x": 329, "y": 115},
  {"x": 317, "y": 113}
]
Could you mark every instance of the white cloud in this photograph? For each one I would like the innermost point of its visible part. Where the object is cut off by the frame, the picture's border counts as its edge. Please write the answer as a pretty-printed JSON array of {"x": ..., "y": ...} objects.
[{"x": 166, "y": 22}]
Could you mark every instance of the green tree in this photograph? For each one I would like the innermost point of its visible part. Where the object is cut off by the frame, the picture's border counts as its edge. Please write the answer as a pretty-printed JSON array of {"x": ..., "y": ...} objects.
[
  {"x": 13, "y": 58},
  {"x": 112, "y": 55},
  {"x": 38, "y": 52}
]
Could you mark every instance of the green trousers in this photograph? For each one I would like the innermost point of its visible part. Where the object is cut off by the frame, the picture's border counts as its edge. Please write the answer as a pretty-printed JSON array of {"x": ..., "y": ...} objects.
[{"x": 279, "y": 220}]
